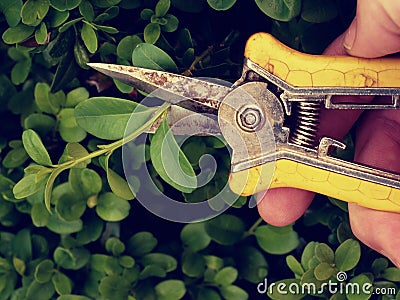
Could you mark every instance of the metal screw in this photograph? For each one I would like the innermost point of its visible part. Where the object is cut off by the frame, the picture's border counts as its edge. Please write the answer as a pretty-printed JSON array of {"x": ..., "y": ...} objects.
[{"x": 250, "y": 118}]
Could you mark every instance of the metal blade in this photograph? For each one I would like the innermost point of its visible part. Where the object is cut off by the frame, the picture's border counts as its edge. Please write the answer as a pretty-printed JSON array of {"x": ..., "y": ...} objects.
[
  {"x": 185, "y": 122},
  {"x": 191, "y": 93}
]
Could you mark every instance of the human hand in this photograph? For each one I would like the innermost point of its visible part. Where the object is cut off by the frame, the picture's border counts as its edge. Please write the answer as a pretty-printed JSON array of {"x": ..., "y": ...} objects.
[{"x": 374, "y": 32}]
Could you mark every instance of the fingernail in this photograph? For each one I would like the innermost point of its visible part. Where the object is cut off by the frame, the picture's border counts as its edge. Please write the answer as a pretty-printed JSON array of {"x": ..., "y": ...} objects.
[{"x": 350, "y": 35}]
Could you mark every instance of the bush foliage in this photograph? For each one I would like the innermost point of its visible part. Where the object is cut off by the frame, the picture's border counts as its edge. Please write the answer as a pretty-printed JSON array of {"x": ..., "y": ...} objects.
[{"x": 70, "y": 225}]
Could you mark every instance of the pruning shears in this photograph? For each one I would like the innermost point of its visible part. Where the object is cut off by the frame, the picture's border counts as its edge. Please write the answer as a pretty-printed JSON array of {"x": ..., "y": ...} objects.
[{"x": 270, "y": 118}]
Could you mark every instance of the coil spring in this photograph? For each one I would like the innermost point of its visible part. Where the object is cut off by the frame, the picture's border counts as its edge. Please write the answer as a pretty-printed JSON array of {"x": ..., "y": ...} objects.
[{"x": 305, "y": 126}]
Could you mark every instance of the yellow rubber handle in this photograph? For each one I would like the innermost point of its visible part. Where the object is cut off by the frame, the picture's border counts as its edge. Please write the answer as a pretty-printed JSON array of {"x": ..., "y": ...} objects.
[
  {"x": 305, "y": 70},
  {"x": 287, "y": 173}
]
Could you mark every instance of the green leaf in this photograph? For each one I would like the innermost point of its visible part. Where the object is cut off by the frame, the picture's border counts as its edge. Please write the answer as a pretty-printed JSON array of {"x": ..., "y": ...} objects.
[
  {"x": 69, "y": 24},
  {"x": 172, "y": 23},
  {"x": 22, "y": 245},
  {"x": 170, "y": 290},
  {"x": 193, "y": 264},
  {"x": 225, "y": 229},
  {"x": 251, "y": 264},
  {"x": 207, "y": 294},
  {"x": 118, "y": 185},
  {"x": 141, "y": 243},
  {"x": 112, "y": 208},
  {"x": 89, "y": 38},
  {"x": 15, "y": 158},
  {"x": 84, "y": 182},
  {"x": 221, "y": 4},
  {"x": 40, "y": 123},
  {"x": 379, "y": 265},
  {"x": 71, "y": 259},
  {"x": 41, "y": 34},
  {"x": 126, "y": 45},
  {"x": 106, "y": 117},
  {"x": 17, "y": 34},
  {"x": 195, "y": 236},
  {"x": 233, "y": 292},
  {"x": 308, "y": 254},
  {"x": 39, "y": 291},
  {"x": 151, "y": 57},
  {"x": 86, "y": 10},
  {"x": 68, "y": 127},
  {"x": 347, "y": 255},
  {"x": 151, "y": 33},
  {"x": 49, "y": 185},
  {"x": 105, "y": 264},
  {"x": 392, "y": 274},
  {"x": 47, "y": 101},
  {"x": 59, "y": 226},
  {"x": 323, "y": 271},
  {"x": 324, "y": 253},
  {"x": 62, "y": 284},
  {"x": 39, "y": 214},
  {"x": 107, "y": 29},
  {"x": 167, "y": 262},
  {"x": 20, "y": 71},
  {"x": 57, "y": 18},
  {"x": 162, "y": 7},
  {"x": 318, "y": 11},
  {"x": 364, "y": 285},
  {"x": 28, "y": 185},
  {"x": 152, "y": 271},
  {"x": 169, "y": 160},
  {"x": 294, "y": 265},
  {"x": 35, "y": 148},
  {"x": 76, "y": 96},
  {"x": 115, "y": 246},
  {"x": 146, "y": 14},
  {"x": 19, "y": 265},
  {"x": 114, "y": 287},
  {"x": 281, "y": 10},
  {"x": 226, "y": 276},
  {"x": 277, "y": 240},
  {"x": 66, "y": 71},
  {"x": 70, "y": 207},
  {"x": 127, "y": 261},
  {"x": 33, "y": 11},
  {"x": 44, "y": 271},
  {"x": 91, "y": 231},
  {"x": 11, "y": 11},
  {"x": 81, "y": 55},
  {"x": 63, "y": 5}
]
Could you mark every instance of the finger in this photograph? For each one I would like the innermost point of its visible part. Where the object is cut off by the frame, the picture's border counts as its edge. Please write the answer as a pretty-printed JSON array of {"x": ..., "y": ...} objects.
[
  {"x": 283, "y": 206},
  {"x": 375, "y": 31},
  {"x": 378, "y": 145}
]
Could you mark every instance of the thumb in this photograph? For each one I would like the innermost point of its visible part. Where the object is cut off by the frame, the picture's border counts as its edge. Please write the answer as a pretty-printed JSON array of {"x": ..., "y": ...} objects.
[{"x": 375, "y": 31}]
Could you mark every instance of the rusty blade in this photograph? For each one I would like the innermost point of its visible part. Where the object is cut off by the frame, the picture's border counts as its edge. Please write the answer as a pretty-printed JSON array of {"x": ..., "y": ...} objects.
[
  {"x": 191, "y": 93},
  {"x": 186, "y": 122}
]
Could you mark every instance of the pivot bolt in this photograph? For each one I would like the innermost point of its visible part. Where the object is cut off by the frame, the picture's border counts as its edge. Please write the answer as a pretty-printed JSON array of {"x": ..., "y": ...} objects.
[{"x": 250, "y": 118}]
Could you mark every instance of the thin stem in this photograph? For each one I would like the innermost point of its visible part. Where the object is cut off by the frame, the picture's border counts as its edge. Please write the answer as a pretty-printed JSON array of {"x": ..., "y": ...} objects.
[
  {"x": 198, "y": 59},
  {"x": 117, "y": 144},
  {"x": 254, "y": 226}
]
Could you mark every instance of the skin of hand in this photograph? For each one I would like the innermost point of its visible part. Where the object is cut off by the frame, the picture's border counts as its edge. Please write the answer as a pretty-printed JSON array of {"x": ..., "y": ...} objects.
[{"x": 374, "y": 32}]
